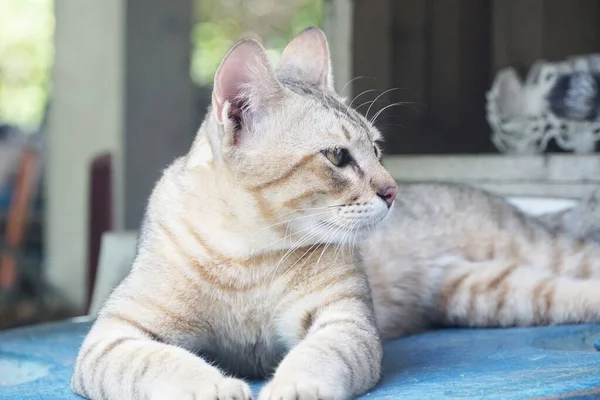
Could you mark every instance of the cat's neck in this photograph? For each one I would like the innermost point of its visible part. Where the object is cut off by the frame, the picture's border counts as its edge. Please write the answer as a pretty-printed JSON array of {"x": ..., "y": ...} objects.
[{"x": 220, "y": 210}]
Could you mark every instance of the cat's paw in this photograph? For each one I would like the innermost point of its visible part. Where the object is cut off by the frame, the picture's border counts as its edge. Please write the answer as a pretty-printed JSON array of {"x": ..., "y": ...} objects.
[
  {"x": 222, "y": 389},
  {"x": 296, "y": 390},
  {"x": 233, "y": 389}
]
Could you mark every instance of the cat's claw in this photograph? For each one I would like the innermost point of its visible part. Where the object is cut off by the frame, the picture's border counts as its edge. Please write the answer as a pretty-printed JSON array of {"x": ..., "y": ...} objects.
[{"x": 294, "y": 391}]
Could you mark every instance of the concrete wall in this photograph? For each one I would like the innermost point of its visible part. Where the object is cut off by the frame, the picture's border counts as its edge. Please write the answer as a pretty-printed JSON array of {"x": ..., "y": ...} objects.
[
  {"x": 337, "y": 24},
  {"x": 121, "y": 84},
  {"x": 86, "y": 117}
]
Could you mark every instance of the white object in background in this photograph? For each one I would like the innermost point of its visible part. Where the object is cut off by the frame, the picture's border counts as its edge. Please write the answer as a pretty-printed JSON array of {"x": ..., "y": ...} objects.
[
  {"x": 117, "y": 251},
  {"x": 523, "y": 115},
  {"x": 541, "y": 205}
]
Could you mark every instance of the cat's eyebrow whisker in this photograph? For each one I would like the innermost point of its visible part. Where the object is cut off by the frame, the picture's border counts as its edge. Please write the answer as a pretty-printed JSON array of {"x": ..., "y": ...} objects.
[
  {"x": 354, "y": 79},
  {"x": 362, "y": 104},
  {"x": 377, "y": 98},
  {"x": 365, "y": 92},
  {"x": 372, "y": 102},
  {"x": 400, "y": 103},
  {"x": 398, "y": 125}
]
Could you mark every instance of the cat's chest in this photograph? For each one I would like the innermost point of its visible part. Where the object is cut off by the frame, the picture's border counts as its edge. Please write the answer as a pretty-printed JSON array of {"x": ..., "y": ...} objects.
[
  {"x": 245, "y": 339},
  {"x": 242, "y": 317}
]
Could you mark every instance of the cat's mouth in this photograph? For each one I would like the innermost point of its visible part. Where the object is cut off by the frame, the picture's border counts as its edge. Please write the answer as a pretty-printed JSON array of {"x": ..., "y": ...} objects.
[{"x": 350, "y": 226}]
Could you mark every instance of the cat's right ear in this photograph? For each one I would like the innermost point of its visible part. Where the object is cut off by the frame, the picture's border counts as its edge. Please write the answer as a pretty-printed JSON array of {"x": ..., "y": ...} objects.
[{"x": 244, "y": 86}]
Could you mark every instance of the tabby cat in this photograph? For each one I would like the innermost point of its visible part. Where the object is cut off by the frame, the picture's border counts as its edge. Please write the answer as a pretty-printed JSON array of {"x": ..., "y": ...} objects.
[{"x": 271, "y": 249}]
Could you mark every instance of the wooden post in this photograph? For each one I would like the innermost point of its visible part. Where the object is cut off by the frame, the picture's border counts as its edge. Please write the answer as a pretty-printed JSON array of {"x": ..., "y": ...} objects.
[
  {"x": 159, "y": 100},
  {"x": 440, "y": 64},
  {"x": 460, "y": 77},
  {"x": 372, "y": 54},
  {"x": 528, "y": 30}
]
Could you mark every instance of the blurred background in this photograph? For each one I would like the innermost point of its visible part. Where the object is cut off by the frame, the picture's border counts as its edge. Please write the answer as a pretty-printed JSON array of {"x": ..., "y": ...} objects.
[{"x": 97, "y": 97}]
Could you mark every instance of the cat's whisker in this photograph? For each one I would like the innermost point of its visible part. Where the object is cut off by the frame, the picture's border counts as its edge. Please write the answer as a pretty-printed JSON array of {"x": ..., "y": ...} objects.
[
  {"x": 287, "y": 233},
  {"x": 398, "y": 125},
  {"x": 353, "y": 229},
  {"x": 297, "y": 210},
  {"x": 296, "y": 246},
  {"x": 291, "y": 220},
  {"x": 353, "y": 246},
  {"x": 333, "y": 234},
  {"x": 314, "y": 247},
  {"x": 362, "y": 93},
  {"x": 340, "y": 248},
  {"x": 321, "y": 208},
  {"x": 348, "y": 241},
  {"x": 326, "y": 242},
  {"x": 284, "y": 238},
  {"x": 362, "y": 104},
  {"x": 318, "y": 231},
  {"x": 378, "y": 113},
  {"x": 354, "y": 79},
  {"x": 377, "y": 98}
]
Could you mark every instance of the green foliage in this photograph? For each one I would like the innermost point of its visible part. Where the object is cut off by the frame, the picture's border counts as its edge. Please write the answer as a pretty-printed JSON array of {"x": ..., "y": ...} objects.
[
  {"x": 26, "y": 44},
  {"x": 221, "y": 22},
  {"x": 26, "y": 30}
]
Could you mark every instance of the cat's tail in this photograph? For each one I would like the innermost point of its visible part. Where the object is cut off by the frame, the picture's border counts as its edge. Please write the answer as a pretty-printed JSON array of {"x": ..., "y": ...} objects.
[{"x": 563, "y": 287}]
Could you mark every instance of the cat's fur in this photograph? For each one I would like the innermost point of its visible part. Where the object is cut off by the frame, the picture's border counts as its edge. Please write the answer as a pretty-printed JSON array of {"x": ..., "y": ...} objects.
[
  {"x": 246, "y": 265},
  {"x": 455, "y": 255}
]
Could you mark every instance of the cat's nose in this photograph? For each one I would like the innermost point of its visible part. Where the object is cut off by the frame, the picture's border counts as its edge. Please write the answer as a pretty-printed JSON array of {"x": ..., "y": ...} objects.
[{"x": 388, "y": 194}]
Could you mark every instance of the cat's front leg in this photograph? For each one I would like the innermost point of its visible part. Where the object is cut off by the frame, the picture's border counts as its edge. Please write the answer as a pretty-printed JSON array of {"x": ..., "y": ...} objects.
[
  {"x": 339, "y": 356},
  {"x": 120, "y": 359}
]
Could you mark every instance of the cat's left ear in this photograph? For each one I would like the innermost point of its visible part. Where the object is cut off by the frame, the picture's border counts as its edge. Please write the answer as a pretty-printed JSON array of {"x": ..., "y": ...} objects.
[{"x": 306, "y": 58}]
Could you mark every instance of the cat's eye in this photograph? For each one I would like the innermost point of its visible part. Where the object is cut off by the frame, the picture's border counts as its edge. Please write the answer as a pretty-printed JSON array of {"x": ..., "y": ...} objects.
[
  {"x": 377, "y": 150},
  {"x": 338, "y": 157}
]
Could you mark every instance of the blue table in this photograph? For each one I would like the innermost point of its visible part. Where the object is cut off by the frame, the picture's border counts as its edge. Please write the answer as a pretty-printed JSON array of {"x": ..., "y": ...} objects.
[{"x": 521, "y": 363}]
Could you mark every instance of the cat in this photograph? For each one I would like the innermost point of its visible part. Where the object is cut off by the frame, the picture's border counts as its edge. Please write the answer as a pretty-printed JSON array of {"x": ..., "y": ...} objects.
[
  {"x": 280, "y": 247},
  {"x": 453, "y": 255},
  {"x": 582, "y": 220}
]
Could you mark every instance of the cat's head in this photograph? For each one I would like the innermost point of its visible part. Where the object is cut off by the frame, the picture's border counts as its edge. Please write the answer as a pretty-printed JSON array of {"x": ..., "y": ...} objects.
[{"x": 309, "y": 165}]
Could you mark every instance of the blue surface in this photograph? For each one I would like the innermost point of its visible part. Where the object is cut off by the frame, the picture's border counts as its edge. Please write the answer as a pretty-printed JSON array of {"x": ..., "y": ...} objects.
[
  {"x": 5, "y": 198},
  {"x": 520, "y": 363}
]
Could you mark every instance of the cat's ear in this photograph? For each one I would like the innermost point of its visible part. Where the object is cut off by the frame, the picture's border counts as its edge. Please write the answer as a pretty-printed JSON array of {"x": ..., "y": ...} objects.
[
  {"x": 244, "y": 85},
  {"x": 306, "y": 58}
]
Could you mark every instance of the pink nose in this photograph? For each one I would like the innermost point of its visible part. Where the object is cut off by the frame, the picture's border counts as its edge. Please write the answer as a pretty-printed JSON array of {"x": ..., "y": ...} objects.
[{"x": 388, "y": 194}]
